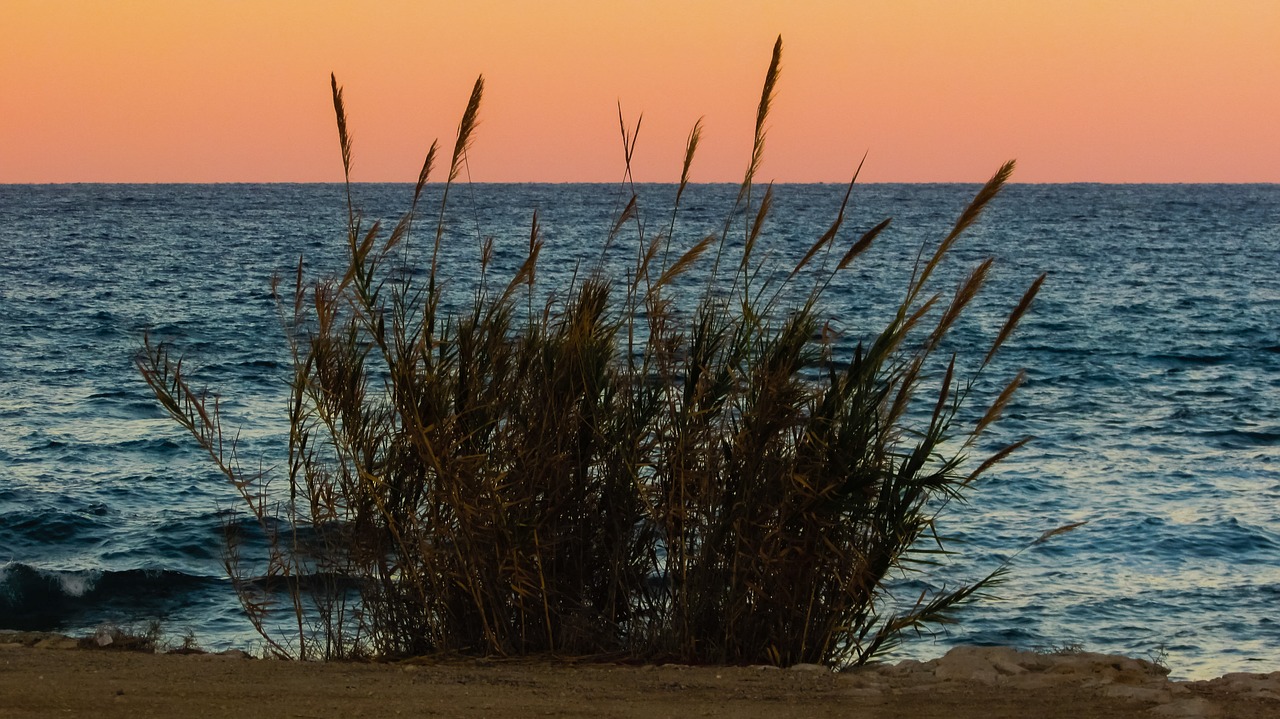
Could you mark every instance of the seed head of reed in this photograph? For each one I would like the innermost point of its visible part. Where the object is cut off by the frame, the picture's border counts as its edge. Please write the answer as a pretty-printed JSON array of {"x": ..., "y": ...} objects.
[{"x": 606, "y": 468}]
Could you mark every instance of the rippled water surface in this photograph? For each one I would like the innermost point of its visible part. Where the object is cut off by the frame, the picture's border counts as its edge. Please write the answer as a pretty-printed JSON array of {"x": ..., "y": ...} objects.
[{"x": 1153, "y": 390}]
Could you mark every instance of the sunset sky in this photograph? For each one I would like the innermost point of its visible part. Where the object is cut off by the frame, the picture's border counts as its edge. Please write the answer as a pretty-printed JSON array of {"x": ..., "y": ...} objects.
[{"x": 934, "y": 90}]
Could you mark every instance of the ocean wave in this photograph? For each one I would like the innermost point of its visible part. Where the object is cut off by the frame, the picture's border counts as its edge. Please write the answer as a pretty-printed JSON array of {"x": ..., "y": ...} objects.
[
  {"x": 1193, "y": 359},
  {"x": 1241, "y": 438},
  {"x": 42, "y": 525},
  {"x": 43, "y": 599}
]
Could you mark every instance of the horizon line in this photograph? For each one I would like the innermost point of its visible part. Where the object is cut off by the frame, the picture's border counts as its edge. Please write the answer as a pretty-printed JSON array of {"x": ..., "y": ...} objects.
[{"x": 625, "y": 183}]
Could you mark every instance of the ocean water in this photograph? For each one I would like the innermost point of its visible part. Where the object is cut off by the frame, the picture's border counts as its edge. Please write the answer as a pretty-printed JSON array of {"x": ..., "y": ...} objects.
[{"x": 1153, "y": 390}]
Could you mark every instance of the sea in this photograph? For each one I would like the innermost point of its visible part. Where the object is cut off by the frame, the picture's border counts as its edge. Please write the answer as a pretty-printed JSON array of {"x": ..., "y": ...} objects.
[{"x": 1152, "y": 389}]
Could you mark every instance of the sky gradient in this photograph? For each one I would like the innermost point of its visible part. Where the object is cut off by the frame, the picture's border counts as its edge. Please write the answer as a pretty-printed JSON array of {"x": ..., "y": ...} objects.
[{"x": 933, "y": 90}]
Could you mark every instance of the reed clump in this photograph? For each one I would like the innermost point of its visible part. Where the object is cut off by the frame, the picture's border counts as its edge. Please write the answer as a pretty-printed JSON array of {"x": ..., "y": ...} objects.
[{"x": 599, "y": 469}]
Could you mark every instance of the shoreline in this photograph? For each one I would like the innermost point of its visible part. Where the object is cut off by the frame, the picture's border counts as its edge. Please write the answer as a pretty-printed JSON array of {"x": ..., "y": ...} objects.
[{"x": 44, "y": 674}]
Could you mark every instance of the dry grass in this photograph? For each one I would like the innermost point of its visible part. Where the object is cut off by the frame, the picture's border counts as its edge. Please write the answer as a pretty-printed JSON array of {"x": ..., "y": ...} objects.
[{"x": 600, "y": 471}]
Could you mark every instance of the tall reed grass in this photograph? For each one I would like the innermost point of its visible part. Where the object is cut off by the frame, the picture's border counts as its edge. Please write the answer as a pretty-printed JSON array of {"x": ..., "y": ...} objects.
[{"x": 596, "y": 469}]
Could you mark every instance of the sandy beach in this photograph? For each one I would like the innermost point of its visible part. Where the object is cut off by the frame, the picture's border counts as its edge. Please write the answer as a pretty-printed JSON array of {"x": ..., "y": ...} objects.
[{"x": 47, "y": 675}]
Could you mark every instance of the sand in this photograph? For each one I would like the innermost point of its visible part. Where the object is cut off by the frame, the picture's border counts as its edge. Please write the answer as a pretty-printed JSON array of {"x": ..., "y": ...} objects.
[{"x": 47, "y": 675}]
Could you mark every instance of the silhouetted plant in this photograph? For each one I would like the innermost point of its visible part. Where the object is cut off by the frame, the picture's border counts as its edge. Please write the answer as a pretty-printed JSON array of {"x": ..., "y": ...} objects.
[{"x": 594, "y": 469}]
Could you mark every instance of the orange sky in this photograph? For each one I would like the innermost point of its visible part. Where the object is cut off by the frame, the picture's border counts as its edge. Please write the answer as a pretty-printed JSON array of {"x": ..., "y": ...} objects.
[{"x": 936, "y": 90}]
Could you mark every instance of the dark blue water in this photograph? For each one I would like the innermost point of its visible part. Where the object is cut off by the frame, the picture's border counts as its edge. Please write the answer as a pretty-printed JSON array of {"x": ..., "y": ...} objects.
[{"x": 1153, "y": 390}]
